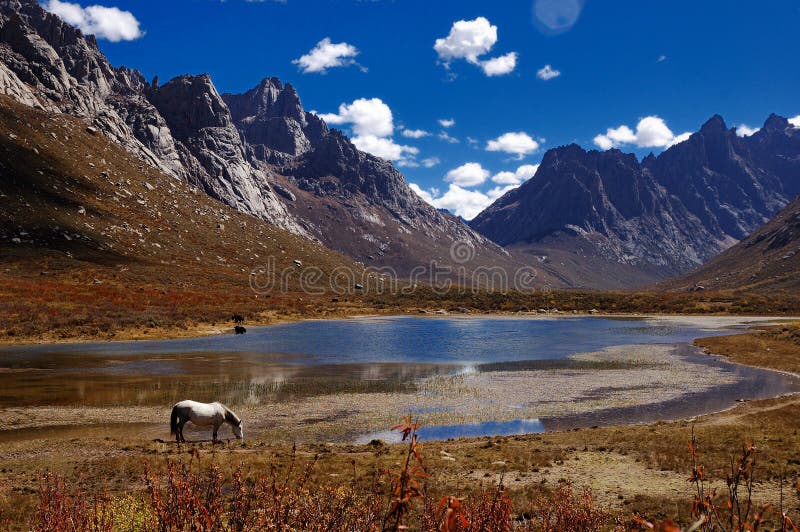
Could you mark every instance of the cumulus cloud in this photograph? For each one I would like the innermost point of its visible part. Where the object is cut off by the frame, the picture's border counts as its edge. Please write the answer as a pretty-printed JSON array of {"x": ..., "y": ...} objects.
[
  {"x": 466, "y": 203},
  {"x": 795, "y": 121},
  {"x": 443, "y": 135},
  {"x": 517, "y": 143},
  {"x": 651, "y": 132},
  {"x": 661, "y": 58},
  {"x": 109, "y": 23},
  {"x": 471, "y": 39},
  {"x": 385, "y": 148},
  {"x": 366, "y": 116},
  {"x": 547, "y": 72},
  {"x": 430, "y": 162},
  {"x": 447, "y": 122},
  {"x": 517, "y": 177},
  {"x": 460, "y": 201},
  {"x": 421, "y": 192},
  {"x": 679, "y": 138},
  {"x": 467, "y": 175},
  {"x": 500, "y": 66},
  {"x": 373, "y": 125},
  {"x": 327, "y": 54},
  {"x": 415, "y": 133},
  {"x": 743, "y": 130}
]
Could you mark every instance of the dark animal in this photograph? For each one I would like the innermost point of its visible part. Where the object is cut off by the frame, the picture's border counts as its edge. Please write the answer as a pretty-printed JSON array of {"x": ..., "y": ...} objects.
[
  {"x": 238, "y": 318},
  {"x": 239, "y": 329}
]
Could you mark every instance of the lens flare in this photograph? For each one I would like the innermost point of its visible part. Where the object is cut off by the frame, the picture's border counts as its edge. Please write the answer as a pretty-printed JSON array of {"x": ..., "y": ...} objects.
[{"x": 556, "y": 16}]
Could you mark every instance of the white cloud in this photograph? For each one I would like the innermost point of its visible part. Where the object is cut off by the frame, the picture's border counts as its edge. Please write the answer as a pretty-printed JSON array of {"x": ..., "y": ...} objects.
[
  {"x": 497, "y": 192},
  {"x": 465, "y": 203},
  {"x": 460, "y": 201},
  {"x": 373, "y": 125},
  {"x": 415, "y": 133},
  {"x": 385, "y": 148},
  {"x": 547, "y": 72},
  {"x": 516, "y": 143},
  {"x": 430, "y": 162},
  {"x": 469, "y": 203},
  {"x": 443, "y": 135},
  {"x": 520, "y": 175},
  {"x": 467, "y": 175},
  {"x": 743, "y": 130},
  {"x": 109, "y": 23},
  {"x": 447, "y": 122},
  {"x": 422, "y": 193},
  {"x": 679, "y": 138},
  {"x": 368, "y": 117},
  {"x": 661, "y": 58},
  {"x": 469, "y": 40},
  {"x": 651, "y": 132},
  {"x": 500, "y": 66},
  {"x": 327, "y": 54},
  {"x": 795, "y": 121}
]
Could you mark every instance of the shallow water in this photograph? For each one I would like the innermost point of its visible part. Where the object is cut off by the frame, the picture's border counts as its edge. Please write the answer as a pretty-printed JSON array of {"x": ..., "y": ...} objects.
[
  {"x": 317, "y": 358},
  {"x": 304, "y": 359}
]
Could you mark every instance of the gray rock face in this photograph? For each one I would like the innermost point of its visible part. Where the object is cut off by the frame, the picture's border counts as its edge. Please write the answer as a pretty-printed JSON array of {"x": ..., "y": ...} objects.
[
  {"x": 260, "y": 151},
  {"x": 62, "y": 69},
  {"x": 201, "y": 122},
  {"x": 607, "y": 198},
  {"x": 271, "y": 118},
  {"x": 674, "y": 211}
]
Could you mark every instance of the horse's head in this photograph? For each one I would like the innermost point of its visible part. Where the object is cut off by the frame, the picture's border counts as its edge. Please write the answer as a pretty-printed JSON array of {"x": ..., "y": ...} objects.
[{"x": 238, "y": 431}]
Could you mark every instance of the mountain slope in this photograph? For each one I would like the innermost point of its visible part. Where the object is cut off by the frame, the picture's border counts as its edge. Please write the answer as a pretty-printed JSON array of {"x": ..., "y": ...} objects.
[
  {"x": 767, "y": 261},
  {"x": 651, "y": 220},
  {"x": 92, "y": 240},
  {"x": 258, "y": 152}
]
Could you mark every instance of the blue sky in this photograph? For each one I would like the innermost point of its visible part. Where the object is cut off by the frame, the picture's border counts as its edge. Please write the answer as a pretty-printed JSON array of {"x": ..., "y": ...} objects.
[{"x": 673, "y": 64}]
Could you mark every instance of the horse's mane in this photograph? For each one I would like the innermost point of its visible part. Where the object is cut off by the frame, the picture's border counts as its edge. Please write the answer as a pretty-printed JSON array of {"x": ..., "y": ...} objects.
[{"x": 230, "y": 417}]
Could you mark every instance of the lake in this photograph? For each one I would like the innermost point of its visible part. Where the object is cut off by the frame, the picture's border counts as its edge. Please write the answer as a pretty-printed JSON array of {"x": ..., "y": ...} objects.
[{"x": 416, "y": 359}]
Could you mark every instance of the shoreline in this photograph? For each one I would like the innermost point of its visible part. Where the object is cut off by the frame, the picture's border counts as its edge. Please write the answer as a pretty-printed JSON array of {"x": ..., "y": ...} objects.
[
  {"x": 202, "y": 330},
  {"x": 631, "y": 469}
]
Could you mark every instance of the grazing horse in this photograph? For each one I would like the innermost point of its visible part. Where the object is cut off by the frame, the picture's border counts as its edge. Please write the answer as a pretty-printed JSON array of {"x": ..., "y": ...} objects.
[
  {"x": 204, "y": 415},
  {"x": 239, "y": 329}
]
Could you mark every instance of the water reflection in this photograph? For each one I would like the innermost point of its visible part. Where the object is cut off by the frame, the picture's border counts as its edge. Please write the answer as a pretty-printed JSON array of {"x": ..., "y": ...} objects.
[{"x": 464, "y": 430}]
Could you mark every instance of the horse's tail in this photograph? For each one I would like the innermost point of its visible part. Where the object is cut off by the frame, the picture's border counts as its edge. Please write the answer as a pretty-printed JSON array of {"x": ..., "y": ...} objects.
[{"x": 173, "y": 420}]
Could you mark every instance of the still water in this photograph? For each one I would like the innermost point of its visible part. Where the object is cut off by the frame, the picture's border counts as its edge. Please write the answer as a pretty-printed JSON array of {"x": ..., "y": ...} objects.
[{"x": 313, "y": 358}]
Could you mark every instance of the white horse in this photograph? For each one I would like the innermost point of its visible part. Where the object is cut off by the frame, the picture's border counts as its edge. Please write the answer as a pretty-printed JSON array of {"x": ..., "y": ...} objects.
[{"x": 204, "y": 415}]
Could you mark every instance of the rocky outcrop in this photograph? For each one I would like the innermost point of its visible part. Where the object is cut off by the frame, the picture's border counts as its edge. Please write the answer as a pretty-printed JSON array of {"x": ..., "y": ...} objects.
[
  {"x": 717, "y": 179},
  {"x": 200, "y": 120},
  {"x": 271, "y": 119},
  {"x": 667, "y": 214},
  {"x": 65, "y": 70},
  {"x": 609, "y": 199},
  {"x": 259, "y": 152},
  {"x": 767, "y": 261}
]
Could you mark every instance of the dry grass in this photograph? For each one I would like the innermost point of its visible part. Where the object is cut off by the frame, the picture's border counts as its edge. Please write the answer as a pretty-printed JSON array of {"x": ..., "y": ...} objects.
[{"x": 776, "y": 347}]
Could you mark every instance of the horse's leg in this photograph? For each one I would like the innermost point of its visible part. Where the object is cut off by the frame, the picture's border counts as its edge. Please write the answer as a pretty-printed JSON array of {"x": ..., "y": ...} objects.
[
  {"x": 216, "y": 430},
  {"x": 180, "y": 430}
]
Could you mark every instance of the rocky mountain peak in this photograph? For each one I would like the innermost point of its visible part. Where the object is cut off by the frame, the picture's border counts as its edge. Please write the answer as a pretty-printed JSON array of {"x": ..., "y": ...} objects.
[
  {"x": 190, "y": 103},
  {"x": 271, "y": 118},
  {"x": 714, "y": 124},
  {"x": 776, "y": 123}
]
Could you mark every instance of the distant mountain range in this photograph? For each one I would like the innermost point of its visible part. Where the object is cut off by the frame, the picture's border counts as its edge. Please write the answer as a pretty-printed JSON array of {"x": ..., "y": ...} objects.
[
  {"x": 586, "y": 219},
  {"x": 596, "y": 213},
  {"x": 766, "y": 261}
]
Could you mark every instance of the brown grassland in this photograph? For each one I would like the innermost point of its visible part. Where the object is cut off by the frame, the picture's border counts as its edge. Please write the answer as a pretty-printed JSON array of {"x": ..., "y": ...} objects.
[{"x": 576, "y": 480}]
